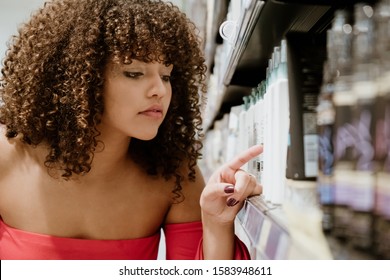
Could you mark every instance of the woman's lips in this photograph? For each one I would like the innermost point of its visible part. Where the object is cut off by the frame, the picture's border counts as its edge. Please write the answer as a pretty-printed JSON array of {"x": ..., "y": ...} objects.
[{"x": 154, "y": 111}]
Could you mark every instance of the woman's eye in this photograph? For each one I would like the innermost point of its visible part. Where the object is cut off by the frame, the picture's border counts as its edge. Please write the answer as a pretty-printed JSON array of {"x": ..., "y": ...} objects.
[
  {"x": 166, "y": 78},
  {"x": 132, "y": 75}
]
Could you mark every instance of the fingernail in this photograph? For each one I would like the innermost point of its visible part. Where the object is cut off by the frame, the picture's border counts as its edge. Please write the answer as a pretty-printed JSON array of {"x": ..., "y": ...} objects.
[
  {"x": 231, "y": 202},
  {"x": 229, "y": 189}
]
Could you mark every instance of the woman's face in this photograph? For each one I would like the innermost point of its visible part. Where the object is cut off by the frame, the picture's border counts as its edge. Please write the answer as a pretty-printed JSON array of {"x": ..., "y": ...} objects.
[{"x": 136, "y": 98}]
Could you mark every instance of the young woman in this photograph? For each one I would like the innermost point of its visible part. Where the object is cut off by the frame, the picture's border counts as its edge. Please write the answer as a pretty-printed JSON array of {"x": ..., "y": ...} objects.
[{"x": 100, "y": 136}]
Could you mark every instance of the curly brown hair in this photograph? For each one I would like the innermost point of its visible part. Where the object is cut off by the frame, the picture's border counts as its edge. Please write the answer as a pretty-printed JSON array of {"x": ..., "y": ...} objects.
[{"x": 52, "y": 81}]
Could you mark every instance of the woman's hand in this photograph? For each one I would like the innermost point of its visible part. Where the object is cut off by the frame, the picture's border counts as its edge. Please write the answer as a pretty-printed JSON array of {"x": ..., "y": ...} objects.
[{"x": 228, "y": 187}]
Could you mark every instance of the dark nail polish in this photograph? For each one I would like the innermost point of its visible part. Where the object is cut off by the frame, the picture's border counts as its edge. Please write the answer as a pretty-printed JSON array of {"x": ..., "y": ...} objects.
[
  {"x": 231, "y": 202},
  {"x": 229, "y": 189}
]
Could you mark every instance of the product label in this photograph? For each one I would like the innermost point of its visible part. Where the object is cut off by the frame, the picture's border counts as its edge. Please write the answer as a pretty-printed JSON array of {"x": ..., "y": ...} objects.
[
  {"x": 311, "y": 155},
  {"x": 310, "y": 144}
]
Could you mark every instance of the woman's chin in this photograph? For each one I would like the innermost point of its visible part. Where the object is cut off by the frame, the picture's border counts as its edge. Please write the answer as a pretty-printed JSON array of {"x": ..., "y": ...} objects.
[{"x": 146, "y": 137}]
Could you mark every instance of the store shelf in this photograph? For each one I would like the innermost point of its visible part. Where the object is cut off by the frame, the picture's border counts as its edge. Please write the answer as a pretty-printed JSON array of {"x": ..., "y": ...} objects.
[
  {"x": 292, "y": 230},
  {"x": 216, "y": 11},
  {"x": 258, "y": 31},
  {"x": 277, "y": 232},
  {"x": 274, "y": 22},
  {"x": 261, "y": 26},
  {"x": 265, "y": 26},
  {"x": 245, "y": 26}
]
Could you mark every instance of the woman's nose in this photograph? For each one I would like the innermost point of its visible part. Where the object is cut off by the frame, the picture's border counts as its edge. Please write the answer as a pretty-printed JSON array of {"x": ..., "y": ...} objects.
[{"x": 159, "y": 87}]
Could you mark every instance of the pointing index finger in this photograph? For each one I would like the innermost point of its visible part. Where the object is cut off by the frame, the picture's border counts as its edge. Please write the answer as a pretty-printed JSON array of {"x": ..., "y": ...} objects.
[{"x": 244, "y": 157}]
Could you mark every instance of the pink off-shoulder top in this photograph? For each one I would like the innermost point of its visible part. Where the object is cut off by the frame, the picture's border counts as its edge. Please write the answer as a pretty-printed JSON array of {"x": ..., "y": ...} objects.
[{"x": 183, "y": 242}]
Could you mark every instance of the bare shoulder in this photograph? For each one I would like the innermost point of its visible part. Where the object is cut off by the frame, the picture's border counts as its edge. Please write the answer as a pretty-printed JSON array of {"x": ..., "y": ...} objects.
[{"x": 188, "y": 210}]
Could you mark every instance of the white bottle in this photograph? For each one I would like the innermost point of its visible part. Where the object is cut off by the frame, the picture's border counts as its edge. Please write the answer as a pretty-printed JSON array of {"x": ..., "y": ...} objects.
[{"x": 282, "y": 97}]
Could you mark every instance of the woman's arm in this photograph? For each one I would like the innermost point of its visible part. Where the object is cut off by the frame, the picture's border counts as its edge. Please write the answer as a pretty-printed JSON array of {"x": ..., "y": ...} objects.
[
  {"x": 183, "y": 227},
  {"x": 217, "y": 204}
]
